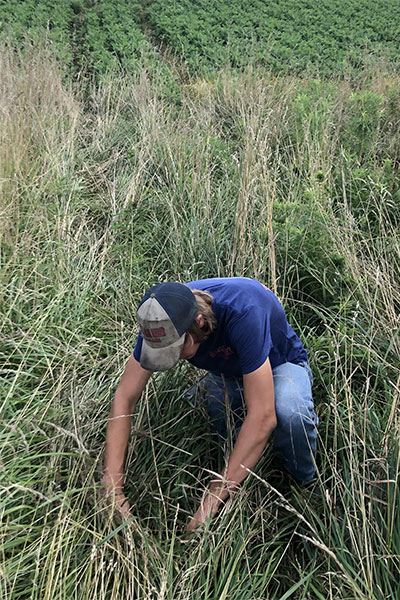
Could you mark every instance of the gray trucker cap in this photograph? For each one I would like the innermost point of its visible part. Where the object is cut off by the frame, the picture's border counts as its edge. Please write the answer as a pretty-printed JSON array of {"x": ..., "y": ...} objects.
[{"x": 165, "y": 313}]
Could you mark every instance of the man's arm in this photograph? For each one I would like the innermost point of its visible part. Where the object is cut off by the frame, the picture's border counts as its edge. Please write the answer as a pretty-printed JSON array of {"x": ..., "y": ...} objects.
[
  {"x": 259, "y": 423},
  {"x": 131, "y": 386}
]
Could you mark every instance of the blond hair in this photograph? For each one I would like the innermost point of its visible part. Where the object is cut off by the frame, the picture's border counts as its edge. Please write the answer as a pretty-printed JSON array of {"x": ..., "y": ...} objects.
[{"x": 204, "y": 305}]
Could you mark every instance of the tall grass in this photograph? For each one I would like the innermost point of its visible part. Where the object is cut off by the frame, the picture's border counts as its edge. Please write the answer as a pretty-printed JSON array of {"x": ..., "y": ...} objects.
[{"x": 294, "y": 182}]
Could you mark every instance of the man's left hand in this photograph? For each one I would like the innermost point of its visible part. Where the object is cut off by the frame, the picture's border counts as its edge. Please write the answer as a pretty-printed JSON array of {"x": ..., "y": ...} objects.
[{"x": 209, "y": 506}]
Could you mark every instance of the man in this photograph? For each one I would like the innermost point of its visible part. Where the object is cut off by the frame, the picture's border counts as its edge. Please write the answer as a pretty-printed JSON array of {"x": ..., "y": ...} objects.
[{"x": 236, "y": 329}]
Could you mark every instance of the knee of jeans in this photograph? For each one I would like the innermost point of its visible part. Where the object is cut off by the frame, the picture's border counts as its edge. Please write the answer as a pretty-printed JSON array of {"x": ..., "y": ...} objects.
[
  {"x": 291, "y": 382},
  {"x": 299, "y": 419},
  {"x": 215, "y": 405}
]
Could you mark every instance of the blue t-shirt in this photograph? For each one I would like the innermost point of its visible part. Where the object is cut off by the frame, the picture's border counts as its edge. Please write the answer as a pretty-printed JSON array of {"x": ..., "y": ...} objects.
[{"x": 251, "y": 327}]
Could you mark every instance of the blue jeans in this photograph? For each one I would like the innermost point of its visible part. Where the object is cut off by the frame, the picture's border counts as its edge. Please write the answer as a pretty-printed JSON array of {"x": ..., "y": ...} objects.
[{"x": 295, "y": 436}]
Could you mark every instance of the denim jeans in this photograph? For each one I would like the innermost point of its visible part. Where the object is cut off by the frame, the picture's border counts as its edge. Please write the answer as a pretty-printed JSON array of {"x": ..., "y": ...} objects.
[{"x": 295, "y": 436}]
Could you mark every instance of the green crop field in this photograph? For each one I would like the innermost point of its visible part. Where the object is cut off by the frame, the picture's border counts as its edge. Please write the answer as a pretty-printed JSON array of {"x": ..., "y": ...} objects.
[
  {"x": 87, "y": 36},
  {"x": 285, "y": 35},
  {"x": 154, "y": 141}
]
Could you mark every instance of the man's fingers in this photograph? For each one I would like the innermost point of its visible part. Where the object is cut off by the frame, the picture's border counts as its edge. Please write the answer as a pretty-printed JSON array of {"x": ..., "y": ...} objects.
[
  {"x": 118, "y": 500},
  {"x": 121, "y": 502}
]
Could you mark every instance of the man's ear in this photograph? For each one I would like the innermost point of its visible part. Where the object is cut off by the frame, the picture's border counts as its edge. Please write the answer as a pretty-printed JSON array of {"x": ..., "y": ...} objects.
[{"x": 200, "y": 320}]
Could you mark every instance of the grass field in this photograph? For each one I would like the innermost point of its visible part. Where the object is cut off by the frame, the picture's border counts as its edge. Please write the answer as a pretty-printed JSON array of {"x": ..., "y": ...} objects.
[{"x": 110, "y": 184}]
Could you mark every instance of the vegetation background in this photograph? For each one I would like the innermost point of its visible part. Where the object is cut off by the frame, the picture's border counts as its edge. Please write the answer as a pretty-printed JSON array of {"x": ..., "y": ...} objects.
[{"x": 151, "y": 141}]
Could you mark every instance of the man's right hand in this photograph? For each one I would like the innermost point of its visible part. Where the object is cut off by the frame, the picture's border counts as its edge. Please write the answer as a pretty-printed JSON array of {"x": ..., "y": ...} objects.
[
  {"x": 121, "y": 503},
  {"x": 115, "y": 495}
]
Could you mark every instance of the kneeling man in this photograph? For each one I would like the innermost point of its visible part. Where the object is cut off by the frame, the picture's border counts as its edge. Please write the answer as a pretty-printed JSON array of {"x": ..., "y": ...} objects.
[{"x": 236, "y": 329}]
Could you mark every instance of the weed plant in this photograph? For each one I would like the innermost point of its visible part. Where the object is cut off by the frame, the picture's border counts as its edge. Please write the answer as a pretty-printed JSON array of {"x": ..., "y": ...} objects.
[{"x": 294, "y": 182}]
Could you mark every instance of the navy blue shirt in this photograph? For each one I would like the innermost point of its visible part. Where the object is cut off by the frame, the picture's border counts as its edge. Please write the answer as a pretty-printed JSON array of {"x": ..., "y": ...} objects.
[{"x": 251, "y": 327}]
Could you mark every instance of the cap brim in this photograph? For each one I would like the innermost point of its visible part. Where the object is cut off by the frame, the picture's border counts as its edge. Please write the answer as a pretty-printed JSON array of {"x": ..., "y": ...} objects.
[{"x": 161, "y": 359}]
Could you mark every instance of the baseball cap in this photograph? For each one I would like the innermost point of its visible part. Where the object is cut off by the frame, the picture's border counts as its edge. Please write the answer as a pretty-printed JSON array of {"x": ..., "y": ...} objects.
[{"x": 164, "y": 314}]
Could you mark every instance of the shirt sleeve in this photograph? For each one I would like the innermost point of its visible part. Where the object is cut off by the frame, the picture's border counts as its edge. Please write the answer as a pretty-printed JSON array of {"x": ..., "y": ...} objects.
[
  {"x": 138, "y": 348},
  {"x": 250, "y": 335}
]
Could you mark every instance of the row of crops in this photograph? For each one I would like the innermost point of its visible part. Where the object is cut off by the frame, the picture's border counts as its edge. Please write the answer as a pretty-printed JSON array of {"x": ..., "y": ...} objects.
[
  {"x": 285, "y": 34},
  {"x": 88, "y": 35},
  {"x": 331, "y": 36},
  {"x": 30, "y": 18}
]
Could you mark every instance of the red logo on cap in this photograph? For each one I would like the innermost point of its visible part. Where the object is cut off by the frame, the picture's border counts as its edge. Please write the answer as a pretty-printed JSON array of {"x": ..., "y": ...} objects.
[{"x": 153, "y": 335}]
